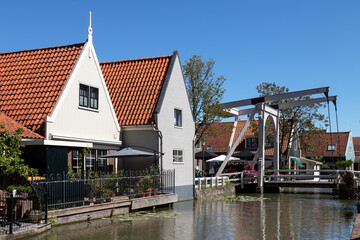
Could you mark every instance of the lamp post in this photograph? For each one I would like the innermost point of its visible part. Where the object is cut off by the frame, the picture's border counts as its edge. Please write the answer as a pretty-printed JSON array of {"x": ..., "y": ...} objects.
[{"x": 203, "y": 158}]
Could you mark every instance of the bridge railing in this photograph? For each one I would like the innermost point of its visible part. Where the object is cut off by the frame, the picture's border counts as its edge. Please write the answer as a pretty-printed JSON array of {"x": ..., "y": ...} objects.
[
  {"x": 294, "y": 175},
  {"x": 328, "y": 175},
  {"x": 242, "y": 177},
  {"x": 210, "y": 182}
]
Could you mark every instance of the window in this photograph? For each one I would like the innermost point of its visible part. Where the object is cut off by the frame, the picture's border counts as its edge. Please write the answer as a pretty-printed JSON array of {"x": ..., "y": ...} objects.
[
  {"x": 178, "y": 156},
  {"x": 94, "y": 161},
  {"x": 331, "y": 147},
  {"x": 84, "y": 96},
  {"x": 101, "y": 162},
  {"x": 208, "y": 147},
  {"x": 251, "y": 143},
  {"x": 75, "y": 163},
  {"x": 310, "y": 148},
  {"x": 90, "y": 160},
  {"x": 177, "y": 118},
  {"x": 87, "y": 92}
]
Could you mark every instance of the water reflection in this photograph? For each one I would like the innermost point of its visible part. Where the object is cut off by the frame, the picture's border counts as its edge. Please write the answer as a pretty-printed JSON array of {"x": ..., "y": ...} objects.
[{"x": 279, "y": 216}]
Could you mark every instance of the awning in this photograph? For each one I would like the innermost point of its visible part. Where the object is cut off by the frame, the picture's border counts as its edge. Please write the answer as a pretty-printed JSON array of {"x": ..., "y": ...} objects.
[
  {"x": 297, "y": 161},
  {"x": 205, "y": 154},
  {"x": 221, "y": 158},
  {"x": 129, "y": 152}
]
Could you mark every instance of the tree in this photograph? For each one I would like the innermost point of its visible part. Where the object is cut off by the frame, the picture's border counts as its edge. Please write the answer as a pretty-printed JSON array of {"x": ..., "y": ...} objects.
[
  {"x": 205, "y": 93},
  {"x": 303, "y": 119},
  {"x": 10, "y": 160}
]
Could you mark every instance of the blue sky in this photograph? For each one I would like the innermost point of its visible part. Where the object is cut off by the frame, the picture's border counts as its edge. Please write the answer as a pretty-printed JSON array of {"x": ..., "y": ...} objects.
[{"x": 298, "y": 44}]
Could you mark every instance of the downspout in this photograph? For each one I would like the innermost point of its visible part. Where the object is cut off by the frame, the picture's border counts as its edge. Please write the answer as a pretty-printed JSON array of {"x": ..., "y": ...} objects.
[{"x": 156, "y": 129}]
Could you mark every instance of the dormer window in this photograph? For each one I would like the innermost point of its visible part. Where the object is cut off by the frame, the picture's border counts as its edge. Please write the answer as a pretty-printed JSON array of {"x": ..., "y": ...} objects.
[
  {"x": 331, "y": 147},
  {"x": 88, "y": 96}
]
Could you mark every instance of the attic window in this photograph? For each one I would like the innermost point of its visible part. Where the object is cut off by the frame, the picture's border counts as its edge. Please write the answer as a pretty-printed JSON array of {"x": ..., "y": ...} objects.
[
  {"x": 177, "y": 118},
  {"x": 331, "y": 147},
  {"x": 88, "y": 96}
]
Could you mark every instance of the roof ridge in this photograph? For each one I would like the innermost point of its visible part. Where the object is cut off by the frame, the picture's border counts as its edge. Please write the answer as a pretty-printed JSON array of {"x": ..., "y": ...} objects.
[
  {"x": 136, "y": 59},
  {"x": 36, "y": 49}
]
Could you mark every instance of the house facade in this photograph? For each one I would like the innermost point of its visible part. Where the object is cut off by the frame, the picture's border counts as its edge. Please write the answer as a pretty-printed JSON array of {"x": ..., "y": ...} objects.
[
  {"x": 328, "y": 147},
  {"x": 152, "y": 106},
  {"x": 71, "y": 102}
]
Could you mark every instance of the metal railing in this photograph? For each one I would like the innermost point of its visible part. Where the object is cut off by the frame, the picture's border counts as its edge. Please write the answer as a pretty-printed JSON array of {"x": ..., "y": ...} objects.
[
  {"x": 73, "y": 190},
  {"x": 333, "y": 176},
  {"x": 210, "y": 182},
  {"x": 20, "y": 211}
]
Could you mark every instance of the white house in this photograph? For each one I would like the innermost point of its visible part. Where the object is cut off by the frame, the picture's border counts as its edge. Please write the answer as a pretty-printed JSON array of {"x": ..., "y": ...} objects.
[
  {"x": 151, "y": 102},
  {"x": 64, "y": 95}
]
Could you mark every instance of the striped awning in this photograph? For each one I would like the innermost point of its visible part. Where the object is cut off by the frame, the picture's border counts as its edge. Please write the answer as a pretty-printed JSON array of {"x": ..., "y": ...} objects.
[{"x": 297, "y": 161}]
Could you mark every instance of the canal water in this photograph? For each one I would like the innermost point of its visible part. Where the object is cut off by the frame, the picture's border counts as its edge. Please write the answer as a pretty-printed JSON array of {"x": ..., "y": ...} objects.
[{"x": 275, "y": 216}]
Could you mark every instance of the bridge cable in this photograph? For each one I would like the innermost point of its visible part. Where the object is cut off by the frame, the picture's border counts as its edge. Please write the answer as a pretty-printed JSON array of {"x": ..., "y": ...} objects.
[
  {"x": 337, "y": 126},
  {"x": 331, "y": 142}
]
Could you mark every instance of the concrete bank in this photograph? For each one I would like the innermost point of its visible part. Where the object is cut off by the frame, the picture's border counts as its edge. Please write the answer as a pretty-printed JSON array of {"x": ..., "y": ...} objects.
[
  {"x": 30, "y": 230},
  {"x": 117, "y": 206},
  {"x": 214, "y": 191},
  {"x": 355, "y": 234}
]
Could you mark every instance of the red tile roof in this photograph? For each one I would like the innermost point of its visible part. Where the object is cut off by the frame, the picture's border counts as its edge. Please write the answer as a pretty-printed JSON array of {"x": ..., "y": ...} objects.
[
  {"x": 31, "y": 82},
  {"x": 134, "y": 87},
  {"x": 320, "y": 142},
  {"x": 11, "y": 125},
  {"x": 219, "y": 137},
  {"x": 220, "y": 142}
]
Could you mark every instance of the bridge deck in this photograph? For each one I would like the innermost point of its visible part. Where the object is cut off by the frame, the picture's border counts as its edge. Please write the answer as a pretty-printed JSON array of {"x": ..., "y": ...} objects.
[{"x": 304, "y": 184}]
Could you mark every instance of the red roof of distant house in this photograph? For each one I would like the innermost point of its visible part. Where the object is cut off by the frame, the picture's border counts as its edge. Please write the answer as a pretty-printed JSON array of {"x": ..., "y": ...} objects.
[
  {"x": 134, "y": 87},
  {"x": 220, "y": 136},
  {"x": 32, "y": 80},
  {"x": 12, "y": 125},
  {"x": 220, "y": 142},
  {"x": 321, "y": 141}
]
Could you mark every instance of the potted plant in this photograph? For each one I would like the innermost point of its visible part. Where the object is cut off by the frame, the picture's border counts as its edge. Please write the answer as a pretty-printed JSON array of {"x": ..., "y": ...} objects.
[{"x": 145, "y": 185}]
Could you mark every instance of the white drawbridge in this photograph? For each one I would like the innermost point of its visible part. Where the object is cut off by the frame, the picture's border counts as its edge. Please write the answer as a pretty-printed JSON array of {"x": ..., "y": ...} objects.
[{"x": 265, "y": 111}]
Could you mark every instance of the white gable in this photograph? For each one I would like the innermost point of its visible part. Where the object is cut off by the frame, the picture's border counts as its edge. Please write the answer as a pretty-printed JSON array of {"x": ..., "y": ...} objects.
[
  {"x": 174, "y": 96},
  {"x": 69, "y": 121}
]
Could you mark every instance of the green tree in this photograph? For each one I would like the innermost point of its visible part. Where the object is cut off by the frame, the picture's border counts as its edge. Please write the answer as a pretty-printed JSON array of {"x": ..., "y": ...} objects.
[
  {"x": 10, "y": 151},
  {"x": 205, "y": 93},
  {"x": 303, "y": 119}
]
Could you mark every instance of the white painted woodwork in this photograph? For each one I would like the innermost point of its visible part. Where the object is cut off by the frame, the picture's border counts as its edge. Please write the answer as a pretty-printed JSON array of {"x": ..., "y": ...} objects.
[
  {"x": 70, "y": 120},
  {"x": 177, "y": 137}
]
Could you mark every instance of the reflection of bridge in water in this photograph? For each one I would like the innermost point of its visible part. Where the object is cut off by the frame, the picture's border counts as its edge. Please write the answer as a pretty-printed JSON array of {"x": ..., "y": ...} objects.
[{"x": 292, "y": 178}]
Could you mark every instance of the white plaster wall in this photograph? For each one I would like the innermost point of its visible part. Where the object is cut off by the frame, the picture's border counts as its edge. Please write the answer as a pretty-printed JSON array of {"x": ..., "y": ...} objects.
[
  {"x": 175, "y": 137},
  {"x": 68, "y": 119}
]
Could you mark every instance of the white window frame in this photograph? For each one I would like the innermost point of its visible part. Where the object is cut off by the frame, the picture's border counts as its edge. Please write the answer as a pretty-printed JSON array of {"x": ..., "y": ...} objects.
[
  {"x": 92, "y": 103},
  {"x": 177, "y": 157},
  {"x": 331, "y": 147}
]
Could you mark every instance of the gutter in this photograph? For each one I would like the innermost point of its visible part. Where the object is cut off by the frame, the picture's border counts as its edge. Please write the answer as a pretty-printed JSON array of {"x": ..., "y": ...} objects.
[{"x": 156, "y": 129}]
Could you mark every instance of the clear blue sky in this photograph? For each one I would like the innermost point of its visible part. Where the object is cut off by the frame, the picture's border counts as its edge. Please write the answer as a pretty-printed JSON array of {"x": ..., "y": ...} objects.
[{"x": 299, "y": 44}]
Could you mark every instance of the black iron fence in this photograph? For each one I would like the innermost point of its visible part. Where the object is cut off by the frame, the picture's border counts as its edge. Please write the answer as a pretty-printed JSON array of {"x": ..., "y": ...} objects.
[
  {"x": 72, "y": 190},
  {"x": 19, "y": 211}
]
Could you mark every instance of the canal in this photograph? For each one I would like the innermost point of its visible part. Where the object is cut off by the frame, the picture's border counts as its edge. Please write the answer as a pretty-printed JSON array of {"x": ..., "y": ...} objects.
[{"x": 275, "y": 216}]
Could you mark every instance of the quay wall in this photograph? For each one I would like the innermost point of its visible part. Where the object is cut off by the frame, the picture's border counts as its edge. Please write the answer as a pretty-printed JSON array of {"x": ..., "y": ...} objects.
[
  {"x": 214, "y": 192},
  {"x": 109, "y": 209}
]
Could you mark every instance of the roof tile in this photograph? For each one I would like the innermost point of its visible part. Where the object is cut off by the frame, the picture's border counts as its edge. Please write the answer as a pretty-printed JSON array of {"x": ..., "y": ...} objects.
[
  {"x": 11, "y": 125},
  {"x": 134, "y": 87},
  {"x": 27, "y": 81}
]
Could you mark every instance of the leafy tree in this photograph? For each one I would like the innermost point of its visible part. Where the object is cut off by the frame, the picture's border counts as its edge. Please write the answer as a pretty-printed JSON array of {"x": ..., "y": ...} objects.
[
  {"x": 10, "y": 161},
  {"x": 205, "y": 93},
  {"x": 303, "y": 119}
]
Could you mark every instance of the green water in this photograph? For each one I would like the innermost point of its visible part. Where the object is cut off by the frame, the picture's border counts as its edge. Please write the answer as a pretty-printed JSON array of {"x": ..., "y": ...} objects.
[{"x": 277, "y": 216}]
